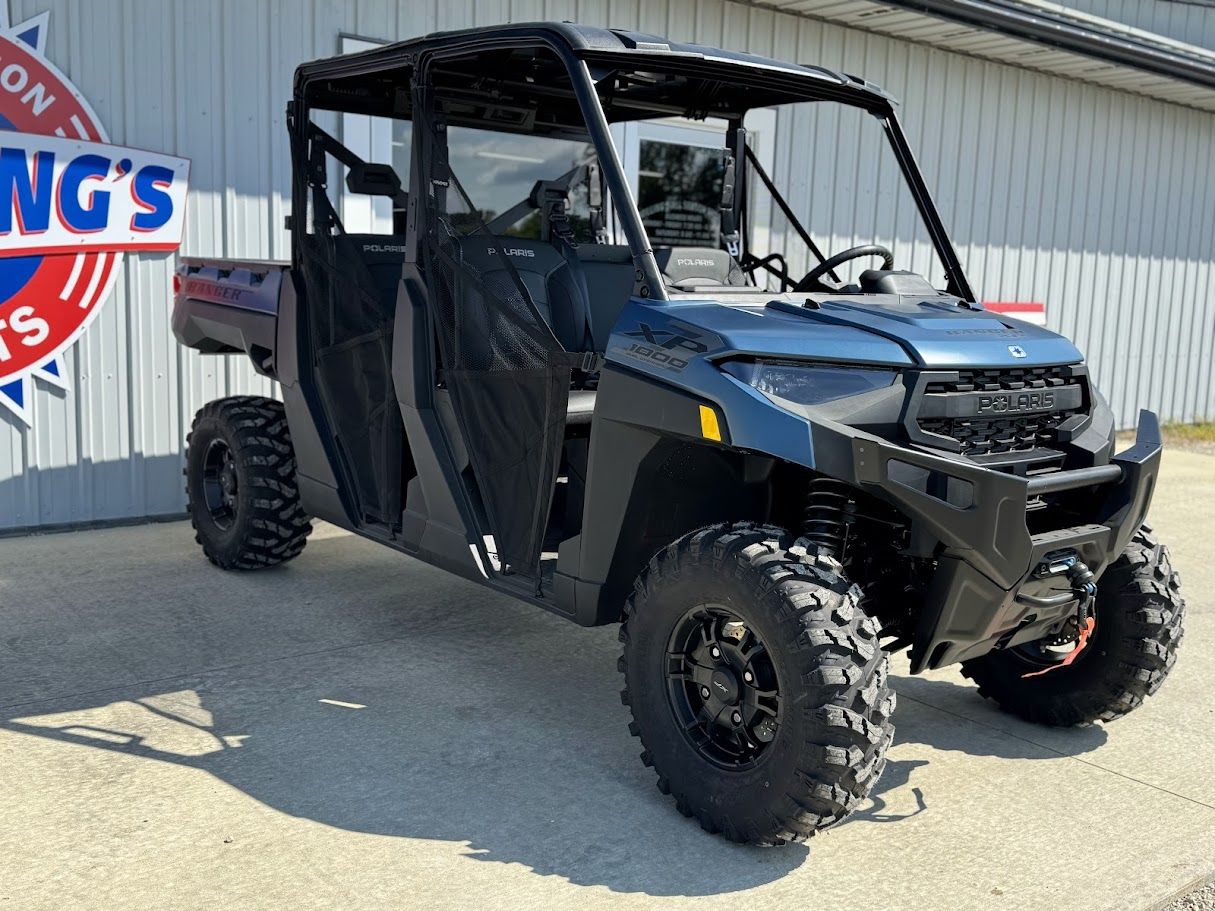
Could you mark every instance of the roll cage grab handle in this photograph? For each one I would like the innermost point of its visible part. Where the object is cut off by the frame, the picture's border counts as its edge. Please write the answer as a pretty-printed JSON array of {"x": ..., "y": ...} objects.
[{"x": 649, "y": 283}]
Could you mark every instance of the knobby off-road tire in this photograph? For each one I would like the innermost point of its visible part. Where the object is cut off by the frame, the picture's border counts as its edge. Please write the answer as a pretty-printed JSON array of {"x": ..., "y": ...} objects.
[
  {"x": 1139, "y": 612},
  {"x": 264, "y": 525},
  {"x": 834, "y": 724}
]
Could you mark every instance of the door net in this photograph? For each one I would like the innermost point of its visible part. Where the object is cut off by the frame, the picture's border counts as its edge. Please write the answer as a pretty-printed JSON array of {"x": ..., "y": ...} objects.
[
  {"x": 351, "y": 282},
  {"x": 508, "y": 375}
]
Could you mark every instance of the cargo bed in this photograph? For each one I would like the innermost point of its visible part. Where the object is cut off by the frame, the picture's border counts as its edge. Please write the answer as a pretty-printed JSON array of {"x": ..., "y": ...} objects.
[{"x": 229, "y": 306}]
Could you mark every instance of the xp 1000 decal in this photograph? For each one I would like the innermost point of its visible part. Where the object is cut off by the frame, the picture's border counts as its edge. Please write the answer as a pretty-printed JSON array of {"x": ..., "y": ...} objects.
[
  {"x": 668, "y": 347},
  {"x": 71, "y": 205}
]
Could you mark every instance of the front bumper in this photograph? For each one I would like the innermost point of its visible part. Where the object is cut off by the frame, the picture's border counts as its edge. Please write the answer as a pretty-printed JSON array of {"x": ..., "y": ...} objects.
[{"x": 985, "y": 592}]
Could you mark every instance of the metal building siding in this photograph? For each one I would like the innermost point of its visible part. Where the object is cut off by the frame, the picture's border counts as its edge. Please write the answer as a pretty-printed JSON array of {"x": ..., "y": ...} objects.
[
  {"x": 956, "y": 36},
  {"x": 1181, "y": 20},
  {"x": 1096, "y": 201}
]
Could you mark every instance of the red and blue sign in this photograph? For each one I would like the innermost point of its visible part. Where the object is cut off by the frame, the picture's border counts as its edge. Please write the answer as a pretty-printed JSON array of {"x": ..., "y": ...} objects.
[{"x": 71, "y": 206}]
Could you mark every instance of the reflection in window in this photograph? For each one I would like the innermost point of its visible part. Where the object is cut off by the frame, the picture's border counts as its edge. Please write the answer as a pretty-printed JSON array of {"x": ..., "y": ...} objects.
[
  {"x": 498, "y": 170},
  {"x": 679, "y": 193},
  {"x": 402, "y": 149}
]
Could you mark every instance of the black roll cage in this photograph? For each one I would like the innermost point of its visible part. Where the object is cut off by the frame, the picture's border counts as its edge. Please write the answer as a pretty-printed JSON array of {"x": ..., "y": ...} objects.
[{"x": 815, "y": 84}]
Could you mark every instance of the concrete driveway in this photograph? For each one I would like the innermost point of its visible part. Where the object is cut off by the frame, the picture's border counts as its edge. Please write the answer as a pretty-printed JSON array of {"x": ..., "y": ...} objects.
[{"x": 357, "y": 730}]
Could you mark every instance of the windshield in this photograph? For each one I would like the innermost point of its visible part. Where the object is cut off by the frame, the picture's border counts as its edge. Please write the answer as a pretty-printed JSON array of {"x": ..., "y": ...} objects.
[
  {"x": 820, "y": 178},
  {"x": 838, "y": 173}
]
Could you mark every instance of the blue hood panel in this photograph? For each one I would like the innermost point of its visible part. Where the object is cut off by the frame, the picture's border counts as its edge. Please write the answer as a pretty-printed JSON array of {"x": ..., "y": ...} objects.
[
  {"x": 873, "y": 329},
  {"x": 941, "y": 334}
]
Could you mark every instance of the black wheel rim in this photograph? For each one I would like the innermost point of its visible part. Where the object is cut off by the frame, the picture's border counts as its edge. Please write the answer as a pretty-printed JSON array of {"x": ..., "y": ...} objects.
[
  {"x": 722, "y": 686},
  {"x": 220, "y": 484}
]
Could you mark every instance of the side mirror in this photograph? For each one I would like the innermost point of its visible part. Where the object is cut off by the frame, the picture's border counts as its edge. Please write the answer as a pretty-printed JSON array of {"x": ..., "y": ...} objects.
[{"x": 371, "y": 179}]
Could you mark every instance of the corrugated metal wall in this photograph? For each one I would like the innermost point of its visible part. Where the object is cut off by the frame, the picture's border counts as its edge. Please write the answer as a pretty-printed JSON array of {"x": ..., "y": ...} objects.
[
  {"x": 1097, "y": 202},
  {"x": 1191, "y": 21}
]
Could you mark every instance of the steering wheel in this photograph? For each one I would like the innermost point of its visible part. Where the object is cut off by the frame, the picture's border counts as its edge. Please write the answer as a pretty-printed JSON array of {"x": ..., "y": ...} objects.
[{"x": 816, "y": 274}]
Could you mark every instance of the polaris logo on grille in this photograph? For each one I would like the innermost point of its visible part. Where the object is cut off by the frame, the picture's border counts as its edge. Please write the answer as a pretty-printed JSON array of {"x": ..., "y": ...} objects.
[
  {"x": 1023, "y": 401},
  {"x": 1017, "y": 351}
]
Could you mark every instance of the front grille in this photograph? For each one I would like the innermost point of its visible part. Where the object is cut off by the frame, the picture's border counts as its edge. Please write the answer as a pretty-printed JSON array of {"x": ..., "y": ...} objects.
[
  {"x": 983, "y": 437},
  {"x": 1002, "y": 391},
  {"x": 1004, "y": 379}
]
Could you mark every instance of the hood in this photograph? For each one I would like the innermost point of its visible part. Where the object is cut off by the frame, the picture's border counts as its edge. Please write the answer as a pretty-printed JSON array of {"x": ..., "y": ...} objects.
[
  {"x": 871, "y": 329},
  {"x": 940, "y": 333}
]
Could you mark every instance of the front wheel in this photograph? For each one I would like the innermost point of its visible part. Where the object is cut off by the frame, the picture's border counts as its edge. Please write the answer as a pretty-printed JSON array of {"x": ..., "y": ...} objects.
[
  {"x": 756, "y": 682},
  {"x": 1139, "y": 613}
]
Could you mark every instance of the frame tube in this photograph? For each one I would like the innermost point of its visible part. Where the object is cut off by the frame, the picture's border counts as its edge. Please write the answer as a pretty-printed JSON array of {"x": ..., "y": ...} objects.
[
  {"x": 955, "y": 277},
  {"x": 649, "y": 282}
]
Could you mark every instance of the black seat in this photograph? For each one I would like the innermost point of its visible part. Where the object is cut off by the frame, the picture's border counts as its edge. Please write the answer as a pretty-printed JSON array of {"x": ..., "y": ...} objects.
[
  {"x": 558, "y": 292},
  {"x": 610, "y": 276},
  {"x": 557, "y": 287},
  {"x": 384, "y": 257},
  {"x": 693, "y": 267}
]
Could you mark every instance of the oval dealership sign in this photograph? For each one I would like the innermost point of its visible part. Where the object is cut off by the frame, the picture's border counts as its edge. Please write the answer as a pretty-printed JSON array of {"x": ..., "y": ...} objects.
[{"x": 70, "y": 206}]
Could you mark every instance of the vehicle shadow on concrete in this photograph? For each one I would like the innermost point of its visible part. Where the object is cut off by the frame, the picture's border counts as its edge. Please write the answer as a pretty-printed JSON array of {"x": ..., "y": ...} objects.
[{"x": 492, "y": 726}]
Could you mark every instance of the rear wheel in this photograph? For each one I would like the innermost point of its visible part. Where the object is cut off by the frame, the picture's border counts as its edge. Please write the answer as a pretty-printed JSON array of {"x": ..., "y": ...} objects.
[
  {"x": 1139, "y": 613},
  {"x": 240, "y": 484},
  {"x": 756, "y": 682}
]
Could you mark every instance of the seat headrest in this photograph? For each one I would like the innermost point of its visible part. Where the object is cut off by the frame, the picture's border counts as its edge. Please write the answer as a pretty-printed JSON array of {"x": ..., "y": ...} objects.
[
  {"x": 488, "y": 253},
  {"x": 373, "y": 249},
  {"x": 697, "y": 266}
]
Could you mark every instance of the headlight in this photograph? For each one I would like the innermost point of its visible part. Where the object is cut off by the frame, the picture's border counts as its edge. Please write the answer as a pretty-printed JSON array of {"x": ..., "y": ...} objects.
[{"x": 809, "y": 384}]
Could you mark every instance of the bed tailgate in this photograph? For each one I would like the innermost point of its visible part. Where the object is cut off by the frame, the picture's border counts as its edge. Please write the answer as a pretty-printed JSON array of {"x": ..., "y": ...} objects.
[{"x": 228, "y": 306}]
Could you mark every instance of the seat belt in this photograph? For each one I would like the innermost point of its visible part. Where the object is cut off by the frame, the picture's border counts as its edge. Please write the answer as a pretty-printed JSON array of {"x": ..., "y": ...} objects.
[
  {"x": 594, "y": 196},
  {"x": 730, "y": 239}
]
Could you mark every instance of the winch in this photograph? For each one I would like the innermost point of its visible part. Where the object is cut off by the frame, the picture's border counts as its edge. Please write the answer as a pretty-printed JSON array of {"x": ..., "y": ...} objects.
[{"x": 1084, "y": 588}]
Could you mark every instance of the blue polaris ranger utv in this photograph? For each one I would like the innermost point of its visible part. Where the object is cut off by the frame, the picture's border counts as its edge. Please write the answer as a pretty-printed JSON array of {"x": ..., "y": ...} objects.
[{"x": 534, "y": 334}]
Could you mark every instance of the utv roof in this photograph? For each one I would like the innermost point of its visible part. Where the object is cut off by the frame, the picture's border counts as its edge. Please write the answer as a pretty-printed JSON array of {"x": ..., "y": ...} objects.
[{"x": 604, "y": 49}]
